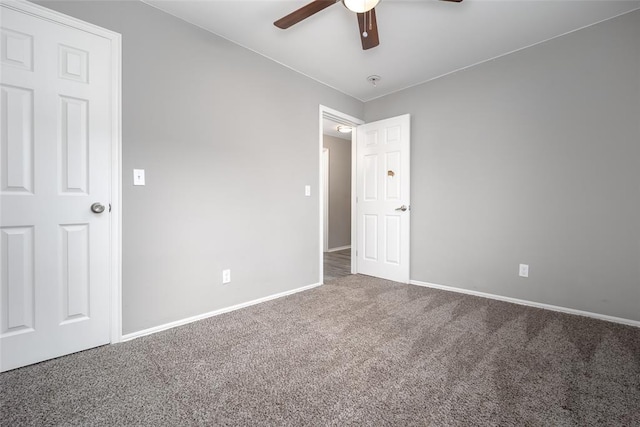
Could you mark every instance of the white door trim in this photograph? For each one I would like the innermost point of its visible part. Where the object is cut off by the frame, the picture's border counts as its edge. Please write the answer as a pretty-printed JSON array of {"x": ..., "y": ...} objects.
[
  {"x": 353, "y": 121},
  {"x": 115, "y": 238},
  {"x": 325, "y": 199}
]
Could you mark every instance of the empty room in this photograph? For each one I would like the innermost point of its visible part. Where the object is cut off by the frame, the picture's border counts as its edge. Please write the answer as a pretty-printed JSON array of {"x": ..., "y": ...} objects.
[{"x": 329, "y": 212}]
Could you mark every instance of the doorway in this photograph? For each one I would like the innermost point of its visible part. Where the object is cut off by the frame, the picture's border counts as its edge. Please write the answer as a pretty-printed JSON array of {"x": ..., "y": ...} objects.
[
  {"x": 337, "y": 202},
  {"x": 337, "y": 198},
  {"x": 380, "y": 177}
]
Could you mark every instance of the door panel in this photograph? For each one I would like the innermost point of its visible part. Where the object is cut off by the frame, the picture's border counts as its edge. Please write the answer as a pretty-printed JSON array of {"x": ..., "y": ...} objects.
[
  {"x": 17, "y": 140},
  {"x": 18, "y": 280},
  {"x": 74, "y": 146},
  {"x": 370, "y": 177},
  {"x": 74, "y": 64},
  {"x": 370, "y": 236},
  {"x": 392, "y": 229},
  {"x": 56, "y": 162},
  {"x": 392, "y": 183},
  {"x": 371, "y": 138},
  {"x": 383, "y": 187},
  {"x": 75, "y": 272},
  {"x": 18, "y": 50}
]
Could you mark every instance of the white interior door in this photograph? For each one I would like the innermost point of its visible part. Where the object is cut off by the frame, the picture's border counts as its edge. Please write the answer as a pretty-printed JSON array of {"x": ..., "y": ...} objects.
[
  {"x": 383, "y": 198},
  {"x": 56, "y": 162}
]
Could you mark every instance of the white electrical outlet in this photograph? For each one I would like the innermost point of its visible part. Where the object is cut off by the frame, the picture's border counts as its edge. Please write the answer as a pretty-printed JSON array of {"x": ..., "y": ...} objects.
[
  {"x": 524, "y": 270},
  {"x": 226, "y": 276}
]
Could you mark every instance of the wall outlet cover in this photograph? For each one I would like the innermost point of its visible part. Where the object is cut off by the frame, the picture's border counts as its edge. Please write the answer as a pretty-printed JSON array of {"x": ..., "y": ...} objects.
[{"x": 524, "y": 270}]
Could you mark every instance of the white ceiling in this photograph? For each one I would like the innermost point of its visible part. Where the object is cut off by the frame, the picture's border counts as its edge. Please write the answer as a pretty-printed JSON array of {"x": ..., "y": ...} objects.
[{"x": 419, "y": 39}]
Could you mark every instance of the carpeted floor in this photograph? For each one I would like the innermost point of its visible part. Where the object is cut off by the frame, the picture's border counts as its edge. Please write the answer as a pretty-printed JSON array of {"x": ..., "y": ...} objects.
[{"x": 358, "y": 351}]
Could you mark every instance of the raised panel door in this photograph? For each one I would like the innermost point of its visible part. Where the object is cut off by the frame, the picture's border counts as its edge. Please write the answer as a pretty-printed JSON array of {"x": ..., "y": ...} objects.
[
  {"x": 383, "y": 198},
  {"x": 56, "y": 161}
]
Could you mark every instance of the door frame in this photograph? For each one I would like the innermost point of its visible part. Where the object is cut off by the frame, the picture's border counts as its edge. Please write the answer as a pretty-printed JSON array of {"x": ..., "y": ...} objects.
[
  {"x": 115, "y": 219},
  {"x": 325, "y": 199},
  {"x": 351, "y": 121}
]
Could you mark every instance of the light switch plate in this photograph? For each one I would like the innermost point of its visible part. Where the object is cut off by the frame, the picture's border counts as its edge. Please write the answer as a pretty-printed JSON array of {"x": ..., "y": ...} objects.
[
  {"x": 307, "y": 190},
  {"x": 138, "y": 177}
]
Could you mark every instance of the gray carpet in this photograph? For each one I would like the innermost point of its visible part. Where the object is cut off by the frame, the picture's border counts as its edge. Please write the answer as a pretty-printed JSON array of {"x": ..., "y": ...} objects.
[{"x": 358, "y": 351}]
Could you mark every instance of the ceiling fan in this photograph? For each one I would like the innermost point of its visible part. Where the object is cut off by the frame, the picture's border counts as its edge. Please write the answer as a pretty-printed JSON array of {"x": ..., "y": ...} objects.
[{"x": 365, "y": 10}]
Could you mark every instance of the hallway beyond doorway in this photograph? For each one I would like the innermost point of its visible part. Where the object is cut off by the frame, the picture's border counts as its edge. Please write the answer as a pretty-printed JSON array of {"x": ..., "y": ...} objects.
[{"x": 337, "y": 264}]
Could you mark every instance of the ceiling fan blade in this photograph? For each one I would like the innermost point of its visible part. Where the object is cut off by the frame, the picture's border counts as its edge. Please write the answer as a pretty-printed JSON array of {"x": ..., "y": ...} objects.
[
  {"x": 369, "y": 26},
  {"x": 455, "y": 1},
  {"x": 303, "y": 13}
]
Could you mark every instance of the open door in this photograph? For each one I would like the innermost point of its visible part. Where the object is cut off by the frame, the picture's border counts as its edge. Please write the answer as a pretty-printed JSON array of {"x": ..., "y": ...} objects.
[
  {"x": 383, "y": 198},
  {"x": 59, "y": 150}
]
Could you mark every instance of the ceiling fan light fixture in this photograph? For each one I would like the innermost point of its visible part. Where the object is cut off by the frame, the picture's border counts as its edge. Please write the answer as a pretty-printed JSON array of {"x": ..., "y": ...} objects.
[{"x": 360, "y": 6}]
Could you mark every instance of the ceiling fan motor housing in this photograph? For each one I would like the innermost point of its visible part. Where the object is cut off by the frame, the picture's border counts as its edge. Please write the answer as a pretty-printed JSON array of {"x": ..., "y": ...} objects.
[{"x": 360, "y": 6}]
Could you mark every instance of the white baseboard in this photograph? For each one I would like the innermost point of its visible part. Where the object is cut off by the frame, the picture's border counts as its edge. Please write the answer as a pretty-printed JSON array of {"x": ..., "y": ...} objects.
[
  {"x": 340, "y": 248},
  {"x": 614, "y": 319},
  {"x": 134, "y": 335}
]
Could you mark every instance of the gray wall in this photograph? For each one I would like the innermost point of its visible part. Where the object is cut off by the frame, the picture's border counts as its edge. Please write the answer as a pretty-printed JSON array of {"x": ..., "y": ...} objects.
[
  {"x": 228, "y": 140},
  {"x": 532, "y": 158},
  {"x": 339, "y": 191}
]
